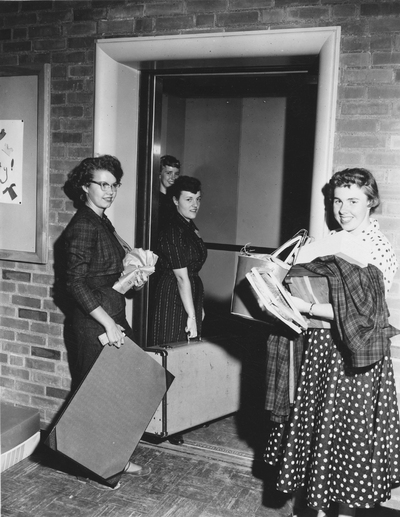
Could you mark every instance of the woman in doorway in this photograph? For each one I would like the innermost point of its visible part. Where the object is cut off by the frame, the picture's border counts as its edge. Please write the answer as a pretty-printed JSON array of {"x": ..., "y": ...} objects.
[
  {"x": 178, "y": 311},
  {"x": 343, "y": 442},
  {"x": 94, "y": 255}
]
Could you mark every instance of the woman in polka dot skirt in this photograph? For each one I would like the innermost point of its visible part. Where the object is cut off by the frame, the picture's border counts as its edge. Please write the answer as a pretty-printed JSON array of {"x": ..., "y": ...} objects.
[{"x": 343, "y": 438}]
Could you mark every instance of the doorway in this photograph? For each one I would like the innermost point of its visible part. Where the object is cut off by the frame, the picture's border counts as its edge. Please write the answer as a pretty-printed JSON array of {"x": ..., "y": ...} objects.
[
  {"x": 121, "y": 64},
  {"x": 249, "y": 138}
]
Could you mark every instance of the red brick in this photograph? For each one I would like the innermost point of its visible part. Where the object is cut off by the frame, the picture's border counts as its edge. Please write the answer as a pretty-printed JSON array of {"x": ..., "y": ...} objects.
[
  {"x": 57, "y": 393},
  {"x": 16, "y": 348},
  {"x": 273, "y": 16},
  {"x": 7, "y": 334},
  {"x": 45, "y": 353},
  {"x": 17, "y": 373},
  {"x": 33, "y": 290},
  {"x": 16, "y": 360},
  {"x": 344, "y": 11},
  {"x": 14, "y": 323},
  {"x": 355, "y": 59},
  {"x": 357, "y": 125},
  {"x": 43, "y": 45},
  {"x": 80, "y": 28},
  {"x": 67, "y": 111},
  {"x": 362, "y": 141},
  {"x": 26, "y": 300},
  {"x": 30, "y": 314},
  {"x": 213, "y": 6},
  {"x": 284, "y": 3},
  {"x": 66, "y": 138},
  {"x": 46, "y": 379},
  {"x": 237, "y": 18},
  {"x": 46, "y": 328},
  {"x": 382, "y": 25},
  {"x": 367, "y": 76},
  {"x": 3, "y": 358},
  {"x": 352, "y": 92},
  {"x": 160, "y": 9},
  {"x": 84, "y": 15},
  {"x": 17, "y": 46},
  {"x": 144, "y": 25},
  {"x": 38, "y": 364},
  {"x": 386, "y": 58},
  {"x": 8, "y": 7},
  {"x": 10, "y": 384},
  {"x": 29, "y": 387},
  {"x": 365, "y": 109},
  {"x": 308, "y": 13},
  {"x": 384, "y": 92},
  {"x": 174, "y": 23},
  {"x": 16, "y": 276},
  {"x": 124, "y": 27}
]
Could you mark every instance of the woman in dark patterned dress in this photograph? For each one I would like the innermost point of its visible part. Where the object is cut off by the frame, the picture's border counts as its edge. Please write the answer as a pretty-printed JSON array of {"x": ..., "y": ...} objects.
[
  {"x": 343, "y": 440},
  {"x": 179, "y": 295}
]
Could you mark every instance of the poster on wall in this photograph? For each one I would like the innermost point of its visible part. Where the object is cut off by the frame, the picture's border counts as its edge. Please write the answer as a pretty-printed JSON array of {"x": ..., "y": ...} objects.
[{"x": 11, "y": 154}]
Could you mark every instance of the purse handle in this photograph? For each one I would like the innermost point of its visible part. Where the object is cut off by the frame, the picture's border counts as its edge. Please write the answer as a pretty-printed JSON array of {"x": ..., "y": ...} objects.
[{"x": 298, "y": 240}]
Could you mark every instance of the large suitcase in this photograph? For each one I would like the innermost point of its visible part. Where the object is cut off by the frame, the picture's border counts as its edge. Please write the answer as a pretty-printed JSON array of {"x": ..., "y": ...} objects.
[
  {"x": 206, "y": 384},
  {"x": 103, "y": 422}
]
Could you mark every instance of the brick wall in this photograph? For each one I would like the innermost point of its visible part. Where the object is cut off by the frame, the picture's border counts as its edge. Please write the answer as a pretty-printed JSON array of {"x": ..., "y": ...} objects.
[{"x": 33, "y": 356}]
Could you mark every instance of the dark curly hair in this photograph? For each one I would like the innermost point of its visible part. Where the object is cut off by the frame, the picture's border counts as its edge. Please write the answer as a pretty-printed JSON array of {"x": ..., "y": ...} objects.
[
  {"x": 360, "y": 177},
  {"x": 83, "y": 173},
  {"x": 187, "y": 183}
]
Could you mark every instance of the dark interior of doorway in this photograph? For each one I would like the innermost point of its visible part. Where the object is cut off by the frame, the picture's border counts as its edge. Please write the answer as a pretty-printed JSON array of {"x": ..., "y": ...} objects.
[{"x": 299, "y": 85}]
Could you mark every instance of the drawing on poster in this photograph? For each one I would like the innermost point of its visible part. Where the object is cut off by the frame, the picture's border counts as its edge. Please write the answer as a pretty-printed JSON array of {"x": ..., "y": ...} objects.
[{"x": 11, "y": 150}]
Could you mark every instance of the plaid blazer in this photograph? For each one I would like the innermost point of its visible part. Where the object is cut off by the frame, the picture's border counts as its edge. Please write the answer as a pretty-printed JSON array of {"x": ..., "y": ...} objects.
[{"x": 94, "y": 260}]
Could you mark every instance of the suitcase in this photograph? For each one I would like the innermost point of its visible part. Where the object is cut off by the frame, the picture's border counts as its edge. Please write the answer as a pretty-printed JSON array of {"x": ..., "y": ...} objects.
[
  {"x": 104, "y": 420},
  {"x": 206, "y": 384}
]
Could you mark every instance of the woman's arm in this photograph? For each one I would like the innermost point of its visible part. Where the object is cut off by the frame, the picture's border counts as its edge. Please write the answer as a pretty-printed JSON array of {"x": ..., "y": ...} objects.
[
  {"x": 319, "y": 310},
  {"x": 114, "y": 331},
  {"x": 185, "y": 292}
]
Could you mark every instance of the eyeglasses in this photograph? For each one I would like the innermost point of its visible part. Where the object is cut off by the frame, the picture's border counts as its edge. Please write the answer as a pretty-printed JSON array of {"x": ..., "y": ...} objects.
[{"x": 106, "y": 186}]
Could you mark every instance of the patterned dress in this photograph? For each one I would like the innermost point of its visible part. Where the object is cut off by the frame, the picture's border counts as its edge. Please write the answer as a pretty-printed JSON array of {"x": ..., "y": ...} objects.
[
  {"x": 179, "y": 246},
  {"x": 343, "y": 440}
]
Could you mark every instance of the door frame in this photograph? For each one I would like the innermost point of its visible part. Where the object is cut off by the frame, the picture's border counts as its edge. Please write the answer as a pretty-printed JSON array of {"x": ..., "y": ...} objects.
[{"x": 118, "y": 67}]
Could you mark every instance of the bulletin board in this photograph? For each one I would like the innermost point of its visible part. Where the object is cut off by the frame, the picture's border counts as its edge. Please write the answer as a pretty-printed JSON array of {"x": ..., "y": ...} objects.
[{"x": 24, "y": 162}]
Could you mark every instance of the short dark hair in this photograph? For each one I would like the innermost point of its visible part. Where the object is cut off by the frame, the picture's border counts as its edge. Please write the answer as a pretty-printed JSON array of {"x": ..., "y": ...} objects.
[
  {"x": 83, "y": 173},
  {"x": 169, "y": 161},
  {"x": 357, "y": 176},
  {"x": 187, "y": 183}
]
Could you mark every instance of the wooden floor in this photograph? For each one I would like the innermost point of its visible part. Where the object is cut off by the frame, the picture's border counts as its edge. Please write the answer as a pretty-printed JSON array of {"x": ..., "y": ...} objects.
[{"x": 214, "y": 474}]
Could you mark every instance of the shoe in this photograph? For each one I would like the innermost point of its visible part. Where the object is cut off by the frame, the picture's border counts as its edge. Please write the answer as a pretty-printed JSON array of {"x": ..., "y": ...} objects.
[
  {"x": 176, "y": 439},
  {"x": 131, "y": 468},
  {"x": 97, "y": 486}
]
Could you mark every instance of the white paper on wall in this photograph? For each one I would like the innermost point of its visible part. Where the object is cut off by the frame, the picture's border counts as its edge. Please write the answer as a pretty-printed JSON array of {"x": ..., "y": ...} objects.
[{"x": 11, "y": 154}]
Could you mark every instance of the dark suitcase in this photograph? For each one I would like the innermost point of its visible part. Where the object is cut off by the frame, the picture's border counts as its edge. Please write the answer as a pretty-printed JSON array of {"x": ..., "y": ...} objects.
[{"x": 108, "y": 414}]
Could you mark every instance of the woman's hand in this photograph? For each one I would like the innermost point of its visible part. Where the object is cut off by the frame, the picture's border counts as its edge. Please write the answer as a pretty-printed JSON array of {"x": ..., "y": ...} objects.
[
  {"x": 191, "y": 327},
  {"x": 140, "y": 279},
  {"x": 301, "y": 305},
  {"x": 115, "y": 335}
]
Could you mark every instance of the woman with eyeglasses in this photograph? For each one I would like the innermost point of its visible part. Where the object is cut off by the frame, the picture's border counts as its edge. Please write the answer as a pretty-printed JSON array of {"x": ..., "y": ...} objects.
[{"x": 94, "y": 255}]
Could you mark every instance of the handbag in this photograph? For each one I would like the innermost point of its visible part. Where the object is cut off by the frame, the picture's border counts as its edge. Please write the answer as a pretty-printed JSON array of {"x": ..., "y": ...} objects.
[{"x": 243, "y": 302}]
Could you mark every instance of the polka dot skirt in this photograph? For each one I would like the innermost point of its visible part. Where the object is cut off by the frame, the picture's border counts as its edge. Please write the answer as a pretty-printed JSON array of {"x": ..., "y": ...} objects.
[{"x": 344, "y": 435}]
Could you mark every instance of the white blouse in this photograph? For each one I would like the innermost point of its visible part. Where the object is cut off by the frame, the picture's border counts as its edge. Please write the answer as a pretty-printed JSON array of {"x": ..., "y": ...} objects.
[{"x": 382, "y": 253}]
